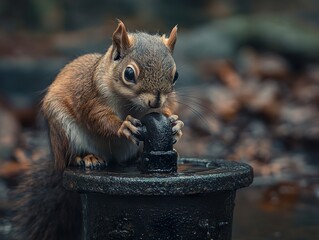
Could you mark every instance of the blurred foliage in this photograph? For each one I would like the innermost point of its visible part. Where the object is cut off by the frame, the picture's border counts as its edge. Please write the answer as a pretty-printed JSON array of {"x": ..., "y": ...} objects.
[{"x": 57, "y": 15}]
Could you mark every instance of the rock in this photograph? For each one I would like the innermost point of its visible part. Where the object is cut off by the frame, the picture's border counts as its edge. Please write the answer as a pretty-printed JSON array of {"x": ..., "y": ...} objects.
[
  {"x": 200, "y": 44},
  {"x": 262, "y": 65},
  {"x": 252, "y": 150},
  {"x": 305, "y": 88},
  {"x": 298, "y": 42},
  {"x": 260, "y": 97},
  {"x": 37, "y": 74},
  {"x": 224, "y": 102},
  {"x": 297, "y": 114},
  {"x": 299, "y": 122},
  {"x": 223, "y": 70},
  {"x": 312, "y": 73},
  {"x": 206, "y": 42}
]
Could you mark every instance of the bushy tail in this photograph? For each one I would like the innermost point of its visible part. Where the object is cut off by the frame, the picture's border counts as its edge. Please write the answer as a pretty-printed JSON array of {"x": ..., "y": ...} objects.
[{"x": 44, "y": 210}]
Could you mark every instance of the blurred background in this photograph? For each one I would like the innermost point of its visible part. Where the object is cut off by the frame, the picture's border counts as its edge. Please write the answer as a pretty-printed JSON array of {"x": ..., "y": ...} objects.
[{"x": 248, "y": 86}]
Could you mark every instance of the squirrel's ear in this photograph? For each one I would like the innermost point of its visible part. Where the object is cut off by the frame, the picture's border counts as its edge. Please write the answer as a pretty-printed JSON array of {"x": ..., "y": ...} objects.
[
  {"x": 121, "y": 39},
  {"x": 171, "y": 40}
]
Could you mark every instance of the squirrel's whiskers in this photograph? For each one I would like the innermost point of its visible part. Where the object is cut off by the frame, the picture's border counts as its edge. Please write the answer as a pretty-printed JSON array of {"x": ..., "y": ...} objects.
[{"x": 184, "y": 98}]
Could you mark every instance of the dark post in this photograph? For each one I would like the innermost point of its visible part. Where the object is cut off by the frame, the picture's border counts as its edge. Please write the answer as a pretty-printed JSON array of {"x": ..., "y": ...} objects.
[
  {"x": 160, "y": 199},
  {"x": 158, "y": 154}
]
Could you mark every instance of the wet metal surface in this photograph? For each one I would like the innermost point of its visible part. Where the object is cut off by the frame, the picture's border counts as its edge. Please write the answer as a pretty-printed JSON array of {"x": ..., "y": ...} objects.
[{"x": 193, "y": 176}]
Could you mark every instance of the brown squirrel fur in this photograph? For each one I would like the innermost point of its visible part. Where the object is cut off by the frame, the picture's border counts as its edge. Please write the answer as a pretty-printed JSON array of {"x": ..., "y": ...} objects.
[
  {"x": 43, "y": 208},
  {"x": 92, "y": 109}
]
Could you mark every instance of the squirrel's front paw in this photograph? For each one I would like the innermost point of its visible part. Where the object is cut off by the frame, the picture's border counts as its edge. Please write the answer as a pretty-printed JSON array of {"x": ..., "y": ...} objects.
[
  {"x": 90, "y": 161},
  {"x": 177, "y": 126},
  {"x": 130, "y": 128}
]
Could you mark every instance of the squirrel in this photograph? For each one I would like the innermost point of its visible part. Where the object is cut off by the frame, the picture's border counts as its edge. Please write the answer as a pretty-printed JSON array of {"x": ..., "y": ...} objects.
[{"x": 93, "y": 109}]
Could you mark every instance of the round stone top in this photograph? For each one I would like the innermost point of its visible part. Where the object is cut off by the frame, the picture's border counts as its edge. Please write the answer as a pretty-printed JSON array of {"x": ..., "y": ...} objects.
[{"x": 194, "y": 176}]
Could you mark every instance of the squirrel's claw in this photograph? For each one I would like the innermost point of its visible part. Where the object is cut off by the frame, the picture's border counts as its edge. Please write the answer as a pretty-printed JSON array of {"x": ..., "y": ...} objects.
[
  {"x": 130, "y": 128},
  {"x": 177, "y": 126},
  {"x": 90, "y": 161}
]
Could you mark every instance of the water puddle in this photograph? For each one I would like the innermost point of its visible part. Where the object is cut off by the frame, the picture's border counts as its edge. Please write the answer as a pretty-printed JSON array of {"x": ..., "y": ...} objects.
[
  {"x": 185, "y": 166},
  {"x": 284, "y": 210}
]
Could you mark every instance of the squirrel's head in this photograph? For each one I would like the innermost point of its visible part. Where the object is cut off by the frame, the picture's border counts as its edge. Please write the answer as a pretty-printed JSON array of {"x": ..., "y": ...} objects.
[{"x": 142, "y": 69}]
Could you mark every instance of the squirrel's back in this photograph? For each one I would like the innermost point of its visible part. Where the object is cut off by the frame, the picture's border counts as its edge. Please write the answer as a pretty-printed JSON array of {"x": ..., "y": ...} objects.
[{"x": 74, "y": 78}]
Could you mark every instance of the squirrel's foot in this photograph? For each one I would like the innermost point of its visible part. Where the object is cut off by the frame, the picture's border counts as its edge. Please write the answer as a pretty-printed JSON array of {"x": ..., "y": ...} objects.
[
  {"x": 90, "y": 161},
  {"x": 177, "y": 126},
  {"x": 130, "y": 129}
]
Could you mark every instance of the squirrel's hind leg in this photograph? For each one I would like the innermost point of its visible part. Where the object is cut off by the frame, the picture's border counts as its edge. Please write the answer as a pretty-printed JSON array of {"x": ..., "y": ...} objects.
[
  {"x": 90, "y": 161},
  {"x": 60, "y": 146}
]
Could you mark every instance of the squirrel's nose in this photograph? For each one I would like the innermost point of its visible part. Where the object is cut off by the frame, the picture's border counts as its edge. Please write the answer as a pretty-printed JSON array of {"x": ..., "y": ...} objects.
[
  {"x": 154, "y": 104},
  {"x": 156, "y": 101}
]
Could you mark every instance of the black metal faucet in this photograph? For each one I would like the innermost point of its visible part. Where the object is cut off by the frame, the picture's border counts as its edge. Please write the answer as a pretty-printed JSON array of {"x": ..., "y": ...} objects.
[{"x": 158, "y": 153}]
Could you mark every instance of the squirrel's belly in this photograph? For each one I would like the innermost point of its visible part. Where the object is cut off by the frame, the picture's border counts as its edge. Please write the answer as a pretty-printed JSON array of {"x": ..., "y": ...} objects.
[
  {"x": 109, "y": 149},
  {"x": 120, "y": 150},
  {"x": 114, "y": 149}
]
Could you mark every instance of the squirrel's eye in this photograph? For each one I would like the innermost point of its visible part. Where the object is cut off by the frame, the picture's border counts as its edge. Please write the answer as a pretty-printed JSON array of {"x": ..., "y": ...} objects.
[
  {"x": 129, "y": 75},
  {"x": 175, "y": 77}
]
